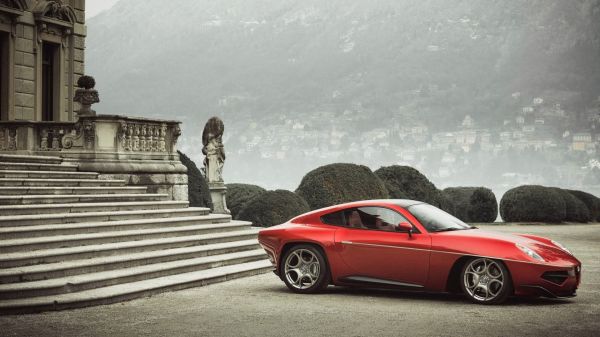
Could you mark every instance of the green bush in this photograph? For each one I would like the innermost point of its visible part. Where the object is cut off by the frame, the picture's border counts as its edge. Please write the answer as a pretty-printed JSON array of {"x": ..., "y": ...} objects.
[
  {"x": 338, "y": 183},
  {"x": 240, "y": 194},
  {"x": 472, "y": 204},
  {"x": 405, "y": 182},
  {"x": 576, "y": 210},
  {"x": 532, "y": 203},
  {"x": 272, "y": 208},
  {"x": 459, "y": 197},
  {"x": 591, "y": 202},
  {"x": 447, "y": 204},
  {"x": 198, "y": 192},
  {"x": 484, "y": 207}
]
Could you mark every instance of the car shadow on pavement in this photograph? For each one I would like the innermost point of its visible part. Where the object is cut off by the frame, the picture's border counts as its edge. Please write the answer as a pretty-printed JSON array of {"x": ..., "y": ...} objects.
[{"x": 425, "y": 296}]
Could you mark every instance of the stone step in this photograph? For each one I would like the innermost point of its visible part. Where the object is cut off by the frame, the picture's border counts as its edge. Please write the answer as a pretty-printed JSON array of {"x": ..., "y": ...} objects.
[
  {"x": 26, "y": 258},
  {"x": 82, "y": 282},
  {"x": 38, "y": 167},
  {"x": 60, "y": 182},
  {"x": 47, "y": 174},
  {"x": 51, "y": 198},
  {"x": 104, "y": 263},
  {"x": 89, "y": 207},
  {"x": 60, "y": 190},
  {"x": 14, "y": 158},
  {"x": 113, "y": 221},
  {"x": 169, "y": 229},
  {"x": 127, "y": 291},
  {"x": 43, "y": 224}
]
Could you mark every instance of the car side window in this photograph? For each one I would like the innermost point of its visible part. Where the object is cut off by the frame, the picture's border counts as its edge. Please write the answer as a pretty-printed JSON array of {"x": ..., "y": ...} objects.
[
  {"x": 376, "y": 218},
  {"x": 335, "y": 218}
]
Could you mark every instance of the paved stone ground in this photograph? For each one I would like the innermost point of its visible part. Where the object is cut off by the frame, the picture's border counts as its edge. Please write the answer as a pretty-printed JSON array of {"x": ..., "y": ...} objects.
[{"x": 262, "y": 306}]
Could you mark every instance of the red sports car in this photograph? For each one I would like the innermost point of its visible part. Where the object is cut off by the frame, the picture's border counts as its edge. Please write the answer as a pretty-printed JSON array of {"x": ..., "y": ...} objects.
[{"x": 412, "y": 245}]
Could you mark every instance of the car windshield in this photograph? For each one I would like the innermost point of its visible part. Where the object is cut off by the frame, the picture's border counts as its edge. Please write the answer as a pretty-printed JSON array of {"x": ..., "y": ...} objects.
[{"x": 436, "y": 220}]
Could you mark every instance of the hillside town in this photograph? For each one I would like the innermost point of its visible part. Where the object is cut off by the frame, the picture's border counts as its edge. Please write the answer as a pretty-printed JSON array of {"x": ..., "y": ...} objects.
[{"x": 564, "y": 148}]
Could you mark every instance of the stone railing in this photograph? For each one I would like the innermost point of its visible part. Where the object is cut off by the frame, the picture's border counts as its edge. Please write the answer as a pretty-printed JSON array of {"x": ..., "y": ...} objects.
[
  {"x": 140, "y": 151},
  {"x": 104, "y": 135}
]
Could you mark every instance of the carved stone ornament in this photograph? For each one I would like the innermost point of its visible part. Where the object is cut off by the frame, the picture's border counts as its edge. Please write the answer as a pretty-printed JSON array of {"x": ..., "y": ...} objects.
[
  {"x": 86, "y": 95},
  {"x": 54, "y": 9}
]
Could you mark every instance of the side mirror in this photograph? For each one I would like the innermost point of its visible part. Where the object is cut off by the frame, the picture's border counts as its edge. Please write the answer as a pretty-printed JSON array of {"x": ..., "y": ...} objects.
[{"x": 405, "y": 227}]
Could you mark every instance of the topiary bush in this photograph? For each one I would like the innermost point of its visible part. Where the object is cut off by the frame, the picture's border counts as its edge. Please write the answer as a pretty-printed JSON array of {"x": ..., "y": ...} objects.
[
  {"x": 198, "y": 192},
  {"x": 483, "y": 205},
  {"x": 240, "y": 194},
  {"x": 405, "y": 182},
  {"x": 272, "y": 208},
  {"x": 338, "y": 183},
  {"x": 472, "y": 204},
  {"x": 532, "y": 203},
  {"x": 459, "y": 197},
  {"x": 576, "y": 210},
  {"x": 447, "y": 204},
  {"x": 591, "y": 202}
]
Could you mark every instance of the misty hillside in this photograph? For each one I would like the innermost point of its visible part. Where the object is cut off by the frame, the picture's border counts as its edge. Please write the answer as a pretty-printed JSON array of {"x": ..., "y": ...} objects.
[
  {"x": 262, "y": 57},
  {"x": 423, "y": 61}
]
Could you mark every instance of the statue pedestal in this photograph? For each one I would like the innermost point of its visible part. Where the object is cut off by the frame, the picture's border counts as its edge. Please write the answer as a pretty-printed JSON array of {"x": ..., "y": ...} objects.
[{"x": 217, "y": 193}]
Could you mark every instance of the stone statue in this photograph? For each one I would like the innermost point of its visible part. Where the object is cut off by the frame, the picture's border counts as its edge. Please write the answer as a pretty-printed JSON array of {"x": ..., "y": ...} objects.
[{"x": 213, "y": 150}]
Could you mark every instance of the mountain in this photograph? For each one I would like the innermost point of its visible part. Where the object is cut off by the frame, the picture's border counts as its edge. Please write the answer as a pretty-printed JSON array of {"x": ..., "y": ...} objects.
[{"x": 258, "y": 63}]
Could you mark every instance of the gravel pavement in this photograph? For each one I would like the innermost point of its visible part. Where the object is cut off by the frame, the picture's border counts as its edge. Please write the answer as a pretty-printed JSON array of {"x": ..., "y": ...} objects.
[{"x": 262, "y": 306}]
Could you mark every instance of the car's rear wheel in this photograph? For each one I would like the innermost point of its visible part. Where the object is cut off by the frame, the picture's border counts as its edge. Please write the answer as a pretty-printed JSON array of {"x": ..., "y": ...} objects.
[
  {"x": 486, "y": 281},
  {"x": 305, "y": 269}
]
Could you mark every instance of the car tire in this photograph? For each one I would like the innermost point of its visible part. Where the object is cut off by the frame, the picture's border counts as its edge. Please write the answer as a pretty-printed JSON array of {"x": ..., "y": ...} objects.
[
  {"x": 304, "y": 269},
  {"x": 485, "y": 281}
]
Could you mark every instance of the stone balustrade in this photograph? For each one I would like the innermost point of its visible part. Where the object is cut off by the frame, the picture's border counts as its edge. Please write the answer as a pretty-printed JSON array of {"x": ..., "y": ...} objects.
[
  {"x": 141, "y": 151},
  {"x": 102, "y": 135}
]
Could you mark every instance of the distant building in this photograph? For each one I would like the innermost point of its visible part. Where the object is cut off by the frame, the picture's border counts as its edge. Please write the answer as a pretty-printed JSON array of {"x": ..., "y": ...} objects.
[{"x": 582, "y": 141}]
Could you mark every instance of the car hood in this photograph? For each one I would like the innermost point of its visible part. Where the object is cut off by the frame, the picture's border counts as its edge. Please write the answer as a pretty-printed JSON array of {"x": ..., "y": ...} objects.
[{"x": 501, "y": 245}]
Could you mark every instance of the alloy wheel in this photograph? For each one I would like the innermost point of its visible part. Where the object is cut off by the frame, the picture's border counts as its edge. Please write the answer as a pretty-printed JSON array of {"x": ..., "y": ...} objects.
[
  {"x": 302, "y": 269},
  {"x": 485, "y": 280}
]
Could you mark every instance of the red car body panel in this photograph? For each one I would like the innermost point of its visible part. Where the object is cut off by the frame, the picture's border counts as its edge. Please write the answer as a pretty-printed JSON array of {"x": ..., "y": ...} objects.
[{"x": 422, "y": 260}]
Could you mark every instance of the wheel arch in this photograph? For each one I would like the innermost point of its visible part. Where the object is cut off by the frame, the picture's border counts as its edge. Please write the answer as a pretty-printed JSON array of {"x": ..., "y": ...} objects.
[{"x": 453, "y": 279}]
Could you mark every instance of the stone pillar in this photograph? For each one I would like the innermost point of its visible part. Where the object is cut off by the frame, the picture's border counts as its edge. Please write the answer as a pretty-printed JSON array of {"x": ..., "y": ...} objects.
[{"x": 218, "y": 191}]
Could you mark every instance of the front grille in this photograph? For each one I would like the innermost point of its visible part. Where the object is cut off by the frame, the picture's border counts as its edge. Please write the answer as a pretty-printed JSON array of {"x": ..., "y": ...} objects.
[{"x": 556, "y": 277}]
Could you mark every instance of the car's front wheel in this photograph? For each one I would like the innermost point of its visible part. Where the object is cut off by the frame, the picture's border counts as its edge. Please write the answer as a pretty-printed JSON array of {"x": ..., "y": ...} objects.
[
  {"x": 486, "y": 281},
  {"x": 304, "y": 269}
]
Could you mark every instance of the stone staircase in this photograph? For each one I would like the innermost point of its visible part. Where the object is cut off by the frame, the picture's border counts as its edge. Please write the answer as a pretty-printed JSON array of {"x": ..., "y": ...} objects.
[{"x": 69, "y": 239}]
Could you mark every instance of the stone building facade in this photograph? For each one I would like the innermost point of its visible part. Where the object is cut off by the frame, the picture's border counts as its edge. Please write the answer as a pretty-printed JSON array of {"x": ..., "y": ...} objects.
[
  {"x": 42, "y": 55},
  {"x": 42, "y": 44}
]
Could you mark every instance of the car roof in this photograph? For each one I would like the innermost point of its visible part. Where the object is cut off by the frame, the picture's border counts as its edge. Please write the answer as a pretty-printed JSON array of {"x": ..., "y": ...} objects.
[
  {"x": 398, "y": 202},
  {"x": 404, "y": 203}
]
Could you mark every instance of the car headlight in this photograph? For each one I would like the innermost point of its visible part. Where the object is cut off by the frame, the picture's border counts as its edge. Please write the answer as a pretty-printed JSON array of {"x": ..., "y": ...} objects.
[
  {"x": 561, "y": 246},
  {"x": 530, "y": 252}
]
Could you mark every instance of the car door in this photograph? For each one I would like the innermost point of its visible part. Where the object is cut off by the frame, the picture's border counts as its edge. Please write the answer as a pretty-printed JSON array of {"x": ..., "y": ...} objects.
[{"x": 376, "y": 252}]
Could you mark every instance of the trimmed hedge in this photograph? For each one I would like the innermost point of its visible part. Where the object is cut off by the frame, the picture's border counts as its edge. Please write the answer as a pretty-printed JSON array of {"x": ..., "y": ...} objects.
[
  {"x": 533, "y": 203},
  {"x": 240, "y": 194},
  {"x": 473, "y": 204},
  {"x": 576, "y": 210},
  {"x": 591, "y": 202},
  {"x": 338, "y": 183},
  {"x": 198, "y": 192},
  {"x": 484, "y": 206},
  {"x": 273, "y": 208},
  {"x": 405, "y": 182}
]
